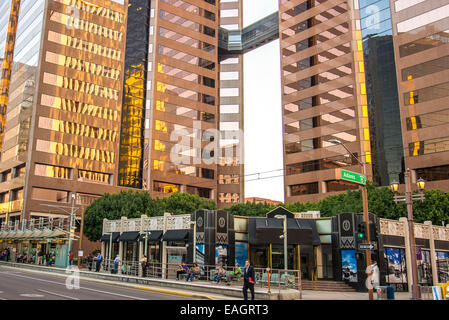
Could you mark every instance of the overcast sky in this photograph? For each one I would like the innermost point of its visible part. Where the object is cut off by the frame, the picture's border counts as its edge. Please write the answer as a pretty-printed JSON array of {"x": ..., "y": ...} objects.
[{"x": 263, "y": 114}]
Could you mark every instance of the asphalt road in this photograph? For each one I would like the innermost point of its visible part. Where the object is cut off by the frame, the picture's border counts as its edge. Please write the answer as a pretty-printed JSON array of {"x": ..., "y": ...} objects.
[{"x": 25, "y": 285}]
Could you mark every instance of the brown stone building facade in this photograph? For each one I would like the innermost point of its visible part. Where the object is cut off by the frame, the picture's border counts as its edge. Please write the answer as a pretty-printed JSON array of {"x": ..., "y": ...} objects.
[
  {"x": 323, "y": 96},
  {"x": 421, "y": 44}
]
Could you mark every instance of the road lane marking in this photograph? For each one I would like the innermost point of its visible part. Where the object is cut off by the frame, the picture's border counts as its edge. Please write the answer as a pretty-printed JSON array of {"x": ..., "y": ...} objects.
[
  {"x": 63, "y": 284},
  {"x": 32, "y": 295},
  {"x": 57, "y": 294}
]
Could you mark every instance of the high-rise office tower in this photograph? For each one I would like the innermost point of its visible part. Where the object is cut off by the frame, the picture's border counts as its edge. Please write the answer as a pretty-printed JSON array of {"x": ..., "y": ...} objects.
[
  {"x": 62, "y": 128},
  {"x": 323, "y": 96},
  {"x": 181, "y": 99},
  {"x": 421, "y": 36},
  {"x": 231, "y": 112}
]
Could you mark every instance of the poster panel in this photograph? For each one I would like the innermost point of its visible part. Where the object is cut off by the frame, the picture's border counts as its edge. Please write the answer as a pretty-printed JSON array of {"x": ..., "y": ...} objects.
[
  {"x": 396, "y": 265},
  {"x": 349, "y": 265},
  {"x": 241, "y": 253},
  {"x": 221, "y": 254},
  {"x": 442, "y": 259},
  {"x": 200, "y": 251}
]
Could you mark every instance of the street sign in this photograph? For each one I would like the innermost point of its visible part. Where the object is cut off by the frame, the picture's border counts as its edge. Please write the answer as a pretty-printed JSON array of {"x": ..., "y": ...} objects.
[
  {"x": 366, "y": 246},
  {"x": 341, "y": 174}
]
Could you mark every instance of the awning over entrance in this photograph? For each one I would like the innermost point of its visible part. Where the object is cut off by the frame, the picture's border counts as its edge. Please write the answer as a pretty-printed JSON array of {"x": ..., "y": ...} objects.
[
  {"x": 263, "y": 231},
  {"x": 153, "y": 236},
  {"x": 106, "y": 237},
  {"x": 176, "y": 235},
  {"x": 312, "y": 224},
  {"x": 129, "y": 236}
]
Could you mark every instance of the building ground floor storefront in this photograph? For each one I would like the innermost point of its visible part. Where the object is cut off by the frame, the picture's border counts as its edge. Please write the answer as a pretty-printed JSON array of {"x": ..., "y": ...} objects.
[{"x": 317, "y": 248}]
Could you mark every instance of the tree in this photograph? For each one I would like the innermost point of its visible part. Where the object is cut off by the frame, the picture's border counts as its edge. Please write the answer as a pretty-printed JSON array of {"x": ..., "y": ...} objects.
[
  {"x": 185, "y": 203},
  {"x": 132, "y": 204}
]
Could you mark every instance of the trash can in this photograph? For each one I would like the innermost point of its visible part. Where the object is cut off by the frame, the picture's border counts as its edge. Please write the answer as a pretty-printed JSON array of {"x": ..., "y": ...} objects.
[
  {"x": 381, "y": 293},
  {"x": 390, "y": 293}
]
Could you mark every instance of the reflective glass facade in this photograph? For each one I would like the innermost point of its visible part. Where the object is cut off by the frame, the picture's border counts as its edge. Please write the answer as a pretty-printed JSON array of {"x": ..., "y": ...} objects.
[
  {"x": 382, "y": 92},
  {"x": 134, "y": 93}
]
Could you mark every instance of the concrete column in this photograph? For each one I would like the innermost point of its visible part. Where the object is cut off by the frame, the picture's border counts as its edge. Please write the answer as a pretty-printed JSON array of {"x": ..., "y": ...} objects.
[
  {"x": 408, "y": 254},
  {"x": 120, "y": 247},
  {"x": 141, "y": 244},
  {"x": 319, "y": 260},
  {"x": 433, "y": 261},
  {"x": 164, "y": 249}
]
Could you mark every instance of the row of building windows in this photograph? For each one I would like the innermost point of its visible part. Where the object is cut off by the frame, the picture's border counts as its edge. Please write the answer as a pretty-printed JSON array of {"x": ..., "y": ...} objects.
[
  {"x": 184, "y": 111},
  {"x": 428, "y": 146},
  {"x": 185, "y": 57},
  {"x": 228, "y": 197},
  {"x": 79, "y": 107},
  {"x": 74, "y": 151},
  {"x": 77, "y": 129},
  {"x": 84, "y": 45},
  {"x": 314, "y": 122},
  {"x": 184, "y": 170},
  {"x": 13, "y": 195},
  {"x": 14, "y": 173},
  {"x": 185, "y": 75},
  {"x": 422, "y": 44},
  {"x": 80, "y": 86},
  {"x": 437, "y": 91},
  {"x": 428, "y": 120},
  {"x": 192, "y": 8},
  {"x": 82, "y": 65},
  {"x": 321, "y": 142},
  {"x": 321, "y": 164},
  {"x": 186, "y": 40},
  {"x": 184, "y": 93},
  {"x": 94, "y": 9},
  {"x": 426, "y": 68},
  {"x": 86, "y": 26}
]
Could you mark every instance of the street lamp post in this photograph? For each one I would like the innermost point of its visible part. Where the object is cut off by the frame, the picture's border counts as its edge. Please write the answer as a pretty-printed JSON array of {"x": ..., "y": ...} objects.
[
  {"x": 365, "y": 210},
  {"x": 284, "y": 235},
  {"x": 71, "y": 227},
  {"x": 194, "y": 240},
  {"x": 409, "y": 198}
]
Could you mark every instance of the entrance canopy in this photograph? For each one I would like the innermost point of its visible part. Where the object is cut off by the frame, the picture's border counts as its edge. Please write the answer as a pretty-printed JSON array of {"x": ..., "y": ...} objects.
[
  {"x": 129, "y": 236},
  {"x": 176, "y": 235},
  {"x": 106, "y": 237},
  {"x": 263, "y": 231},
  {"x": 153, "y": 236}
]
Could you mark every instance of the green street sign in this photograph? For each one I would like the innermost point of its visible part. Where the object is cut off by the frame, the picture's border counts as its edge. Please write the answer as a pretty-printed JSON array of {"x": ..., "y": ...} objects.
[{"x": 350, "y": 176}]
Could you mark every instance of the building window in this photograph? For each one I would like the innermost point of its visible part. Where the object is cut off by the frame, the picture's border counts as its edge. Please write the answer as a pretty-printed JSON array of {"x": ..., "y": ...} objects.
[
  {"x": 304, "y": 189},
  {"x": 50, "y": 195},
  {"x": 50, "y": 171},
  {"x": 165, "y": 187}
]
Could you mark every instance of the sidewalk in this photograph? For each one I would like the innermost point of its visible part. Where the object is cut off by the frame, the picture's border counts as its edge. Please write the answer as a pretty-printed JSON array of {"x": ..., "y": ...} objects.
[
  {"x": 325, "y": 295},
  {"x": 200, "y": 289}
]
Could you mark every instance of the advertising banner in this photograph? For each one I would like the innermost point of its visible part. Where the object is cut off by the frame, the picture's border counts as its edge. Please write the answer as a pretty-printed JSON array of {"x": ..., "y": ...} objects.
[
  {"x": 221, "y": 254},
  {"x": 396, "y": 265},
  {"x": 241, "y": 253},
  {"x": 349, "y": 265},
  {"x": 346, "y": 230},
  {"x": 221, "y": 227}
]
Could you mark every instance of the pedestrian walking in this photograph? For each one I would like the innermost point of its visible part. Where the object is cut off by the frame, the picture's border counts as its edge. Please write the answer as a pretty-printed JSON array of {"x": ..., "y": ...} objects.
[
  {"x": 39, "y": 257},
  {"x": 143, "y": 263},
  {"x": 99, "y": 259},
  {"x": 249, "y": 279},
  {"x": 116, "y": 263},
  {"x": 70, "y": 258}
]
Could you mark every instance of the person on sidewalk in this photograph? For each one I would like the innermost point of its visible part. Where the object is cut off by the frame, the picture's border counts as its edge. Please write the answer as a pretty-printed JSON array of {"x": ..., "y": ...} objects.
[
  {"x": 249, "y": 279},
  {"x": 195, "y": 270},
  {"x": 236, "y": 274},
  {"x": 219, "y": 274},
  {"x": 183, "y": 268},
  {"x": 40, "y": 254},
  {"x": 99, "y": 259},
  {"x": 70, "y": 258},
  {"x": 116, "y": 263},
  {"x": 143, "y": 263}
]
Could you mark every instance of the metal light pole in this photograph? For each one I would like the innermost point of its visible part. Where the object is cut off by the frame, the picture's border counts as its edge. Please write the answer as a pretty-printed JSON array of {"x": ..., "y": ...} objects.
[
  {"x": 71, "y": 227},
  {"x": 409, "y": 197},
  {"x": 194, "y": 240},
  {"x": 365, "y": 211},
  {"x": 146, "y": 242},
  {"x": 284, "y": 235}
]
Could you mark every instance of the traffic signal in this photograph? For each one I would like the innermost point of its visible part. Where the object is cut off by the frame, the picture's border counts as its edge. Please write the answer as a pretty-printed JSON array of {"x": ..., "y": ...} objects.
[{"x": 361, "y": 231}]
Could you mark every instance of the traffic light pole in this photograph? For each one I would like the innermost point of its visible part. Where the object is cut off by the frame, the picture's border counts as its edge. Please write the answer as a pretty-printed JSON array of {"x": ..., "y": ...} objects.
[{"x": 367, "y": 230}]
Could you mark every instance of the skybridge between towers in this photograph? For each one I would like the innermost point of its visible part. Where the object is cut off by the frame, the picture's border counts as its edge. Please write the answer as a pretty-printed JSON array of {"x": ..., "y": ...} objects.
[{"x": 253, "y": 36}]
